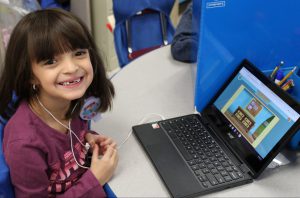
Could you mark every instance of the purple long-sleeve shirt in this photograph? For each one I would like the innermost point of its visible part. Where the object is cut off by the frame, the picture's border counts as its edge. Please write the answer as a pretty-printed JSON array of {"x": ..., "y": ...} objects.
[{"x": 40, "y": 158}]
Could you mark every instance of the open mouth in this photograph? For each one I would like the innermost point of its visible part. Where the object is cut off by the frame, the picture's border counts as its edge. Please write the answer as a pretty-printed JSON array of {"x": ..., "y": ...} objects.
[{"x": 70, "y": 83}]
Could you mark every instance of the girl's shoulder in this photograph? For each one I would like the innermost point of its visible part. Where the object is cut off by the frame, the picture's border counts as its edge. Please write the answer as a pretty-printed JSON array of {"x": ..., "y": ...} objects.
[
  {"x": 22, "y": 115},
  {"x": 22, "y": 121}
]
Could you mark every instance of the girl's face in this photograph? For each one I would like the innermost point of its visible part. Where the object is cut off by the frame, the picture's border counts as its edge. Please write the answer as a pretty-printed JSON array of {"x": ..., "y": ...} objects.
[{"x": 66, "y": 77}]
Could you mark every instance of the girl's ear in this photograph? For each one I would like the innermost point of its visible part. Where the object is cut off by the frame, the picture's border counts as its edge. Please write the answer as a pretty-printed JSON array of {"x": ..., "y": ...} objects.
[{"x": 34, "y": 81}]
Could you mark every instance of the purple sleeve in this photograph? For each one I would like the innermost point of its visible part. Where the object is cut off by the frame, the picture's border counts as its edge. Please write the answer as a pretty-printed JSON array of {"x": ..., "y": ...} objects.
[{"x": 28, "y": 170}]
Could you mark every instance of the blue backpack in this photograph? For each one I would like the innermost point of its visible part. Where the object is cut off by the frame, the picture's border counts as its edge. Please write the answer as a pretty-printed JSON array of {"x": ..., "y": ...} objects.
[{"x": 141, "y": 26}]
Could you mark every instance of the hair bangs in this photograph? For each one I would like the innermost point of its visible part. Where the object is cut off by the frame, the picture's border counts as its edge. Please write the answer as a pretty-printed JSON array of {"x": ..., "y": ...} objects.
[{"x": 55, "y": 35}]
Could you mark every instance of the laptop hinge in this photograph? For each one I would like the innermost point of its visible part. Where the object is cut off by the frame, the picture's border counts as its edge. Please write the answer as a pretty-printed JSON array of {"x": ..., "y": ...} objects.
[{"x": 205, "y": 121}]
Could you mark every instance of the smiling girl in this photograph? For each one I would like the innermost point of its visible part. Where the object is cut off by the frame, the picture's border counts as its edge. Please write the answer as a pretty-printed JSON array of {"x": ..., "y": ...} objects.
[{"x": 52, "y": 66}]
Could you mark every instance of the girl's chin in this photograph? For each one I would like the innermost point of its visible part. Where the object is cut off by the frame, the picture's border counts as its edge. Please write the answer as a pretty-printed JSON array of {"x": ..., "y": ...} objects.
[{"x": 73, "y": 96}]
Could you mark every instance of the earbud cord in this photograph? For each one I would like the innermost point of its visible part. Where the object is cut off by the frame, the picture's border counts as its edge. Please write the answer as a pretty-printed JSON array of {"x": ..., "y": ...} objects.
[
  {"x": 140, "y": 122},
  {"x": 58, "y": 120},
  {"x": 67, "y": 127},
  {"x": 71, "y": 141}
]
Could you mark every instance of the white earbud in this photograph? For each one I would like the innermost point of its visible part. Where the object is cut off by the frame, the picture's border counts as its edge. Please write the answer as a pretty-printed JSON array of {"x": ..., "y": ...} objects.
[{"x": 87, "y": 146}]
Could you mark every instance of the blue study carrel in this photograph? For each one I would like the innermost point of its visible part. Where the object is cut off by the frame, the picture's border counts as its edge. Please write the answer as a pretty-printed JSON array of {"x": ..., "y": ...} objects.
[{"x": 264, "y": 32}]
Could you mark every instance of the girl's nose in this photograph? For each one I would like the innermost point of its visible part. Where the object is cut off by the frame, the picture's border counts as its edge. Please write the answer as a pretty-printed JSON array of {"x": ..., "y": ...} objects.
[{"x": 70, "y": 66}]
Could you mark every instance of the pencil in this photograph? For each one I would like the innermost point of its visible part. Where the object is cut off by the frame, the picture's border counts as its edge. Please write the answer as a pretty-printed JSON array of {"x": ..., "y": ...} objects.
[
  {"x": 288, "y": 84},
  {"x": 272, "y": 76},
  {"x": 288, "y": 87}
]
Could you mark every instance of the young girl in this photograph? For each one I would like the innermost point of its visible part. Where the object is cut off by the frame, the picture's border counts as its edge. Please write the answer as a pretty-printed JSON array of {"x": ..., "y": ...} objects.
[{"x": 52, "y": 66}]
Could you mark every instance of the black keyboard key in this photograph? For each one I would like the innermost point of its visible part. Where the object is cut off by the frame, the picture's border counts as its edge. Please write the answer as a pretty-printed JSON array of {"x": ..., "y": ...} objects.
[
  {"x": 227, "y": 178},
  {"x": 219, "y": 178},
  {"x": 235, "y": 168},
  {"x": 223, "y": 173},
  {"x": 182, "y": 139},
  {"x": 195, "y": 167},
  {"x": 191, "y": 152},
  {"x": 229, "y": 169},
  {"x": 210, "y": 166},
  {"x": 188, "y": 147},
  {"x": 205, "y": 184},
  {"x": 221, "y": 159},
  {"x": 205, "y": 170},
  {"x": 240, "y": 174},
  {"x": 214, "y": 171},
  {"x": 216, "y": 163},
  {"x": 198, "y": 172},
  {"x": 212, "y": 179},
  {"x": 220, "y": 168},
  {"x": 202, "y": 165},
  {"x": 233, "y": 175},
  {"x": 203, "y": 157},
  {"x": 197, "y": 148},
  {"x": 209, "y": 154},
  {"x": 191, "y": 163},
  {"x": 213, "y": 159},
  {"x": 202, "y": 178},
  {"x": 179, "y": 134}
]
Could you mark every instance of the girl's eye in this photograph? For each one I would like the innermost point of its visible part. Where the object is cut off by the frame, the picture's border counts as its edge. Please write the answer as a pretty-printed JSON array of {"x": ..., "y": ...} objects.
[
  {"x": 50, "y": 62},
  {"x": 80, "y": 52}
]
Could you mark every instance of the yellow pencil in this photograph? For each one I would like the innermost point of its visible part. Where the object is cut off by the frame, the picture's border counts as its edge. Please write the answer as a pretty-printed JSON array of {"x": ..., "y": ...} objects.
[
  {"x": 287, "y": 76},
  {"x": 272, "y": 76},
  {"x": 288, "y": 85}
]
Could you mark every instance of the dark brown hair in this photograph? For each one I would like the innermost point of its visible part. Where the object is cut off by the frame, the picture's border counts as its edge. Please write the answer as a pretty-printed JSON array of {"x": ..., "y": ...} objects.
[{"x": 39, "y": 36}]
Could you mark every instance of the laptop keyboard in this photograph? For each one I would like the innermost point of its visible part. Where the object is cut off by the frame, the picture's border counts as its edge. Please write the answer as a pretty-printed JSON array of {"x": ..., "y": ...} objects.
[{"x": 204, "y": 156}]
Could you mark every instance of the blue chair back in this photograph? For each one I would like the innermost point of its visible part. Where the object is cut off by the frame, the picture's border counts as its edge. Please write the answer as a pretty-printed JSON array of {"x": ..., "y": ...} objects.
[
  {"x": 6, "y": 189},
  {"x": 141, "y": 26}
]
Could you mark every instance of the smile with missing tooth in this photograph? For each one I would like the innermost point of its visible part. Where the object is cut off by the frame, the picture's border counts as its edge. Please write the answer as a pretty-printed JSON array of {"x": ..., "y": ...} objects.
[{"x": 67, "y": 83}]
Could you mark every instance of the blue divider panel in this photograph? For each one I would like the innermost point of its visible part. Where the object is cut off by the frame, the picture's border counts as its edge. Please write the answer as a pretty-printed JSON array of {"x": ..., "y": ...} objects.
[{"x": 264, "y": 32}]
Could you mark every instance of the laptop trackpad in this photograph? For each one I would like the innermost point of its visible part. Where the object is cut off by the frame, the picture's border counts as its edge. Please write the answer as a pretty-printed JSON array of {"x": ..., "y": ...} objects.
[{"x": 179, "y": 179}]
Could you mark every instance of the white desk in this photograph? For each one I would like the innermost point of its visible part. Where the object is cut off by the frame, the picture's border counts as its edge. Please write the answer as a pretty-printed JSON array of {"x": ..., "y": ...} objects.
[{"x": 155, "y": 83}]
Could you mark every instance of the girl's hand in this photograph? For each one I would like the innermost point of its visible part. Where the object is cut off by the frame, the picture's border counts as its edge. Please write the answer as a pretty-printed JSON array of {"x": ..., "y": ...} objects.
[
  {"x": 103, "y": 168},
  {"x": 101, "y": 140}
]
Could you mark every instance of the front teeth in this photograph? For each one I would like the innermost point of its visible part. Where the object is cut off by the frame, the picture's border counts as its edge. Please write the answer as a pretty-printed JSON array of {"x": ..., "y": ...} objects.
[
  {"x": 72, "y": 82},
  {"x": 66, "y": 83}
]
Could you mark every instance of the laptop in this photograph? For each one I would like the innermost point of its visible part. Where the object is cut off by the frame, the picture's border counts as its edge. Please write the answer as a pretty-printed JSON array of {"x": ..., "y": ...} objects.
[{"x": 230, "y": 143}]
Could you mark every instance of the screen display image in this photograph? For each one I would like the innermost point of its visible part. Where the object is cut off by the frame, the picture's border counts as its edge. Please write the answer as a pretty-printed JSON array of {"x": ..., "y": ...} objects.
[{"x": 256, "y": 115}]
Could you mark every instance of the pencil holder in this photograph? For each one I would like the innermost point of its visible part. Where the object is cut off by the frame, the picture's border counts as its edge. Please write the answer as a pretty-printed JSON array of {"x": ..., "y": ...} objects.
[{"x": 295, "y": 93}]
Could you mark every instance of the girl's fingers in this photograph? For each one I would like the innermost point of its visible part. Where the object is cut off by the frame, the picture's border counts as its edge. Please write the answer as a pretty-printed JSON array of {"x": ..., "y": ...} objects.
[
  {"x": 95, "y": 152},
  {"x": 114, "y": 145},
  {"x": 92, "y": 143},
  {"x": 108, "y": 153},
  {"x": 109, "y": 141}
]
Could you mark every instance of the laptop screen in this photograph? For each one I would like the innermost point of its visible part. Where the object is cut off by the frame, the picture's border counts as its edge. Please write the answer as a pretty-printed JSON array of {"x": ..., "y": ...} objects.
[{"x": 258, "y": 118}]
